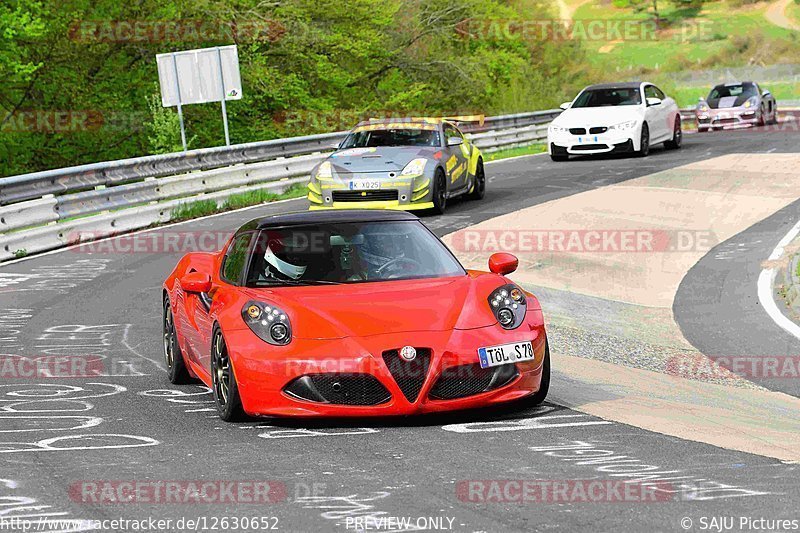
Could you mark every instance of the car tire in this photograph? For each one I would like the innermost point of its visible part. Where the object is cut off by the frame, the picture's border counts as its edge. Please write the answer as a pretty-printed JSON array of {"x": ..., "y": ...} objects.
[
  {"x": 644, "y": 141},
  {"x": 176, "y": 365},
  {"x": 223, "y": 380},
  {"x": 702, "y": 130},
  {"x": 677, "y": 136},
  {"x": 539, "y": 396},
  {"x": 762, "y": 117},
  {"x": 774, "y": 116},
  {"x": 479, "y": 190},
  {"x": 439, "y": 192}
]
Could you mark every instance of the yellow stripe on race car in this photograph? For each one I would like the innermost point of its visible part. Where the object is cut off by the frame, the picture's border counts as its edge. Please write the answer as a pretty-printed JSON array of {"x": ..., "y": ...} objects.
[{"x": 393, "y": 204}]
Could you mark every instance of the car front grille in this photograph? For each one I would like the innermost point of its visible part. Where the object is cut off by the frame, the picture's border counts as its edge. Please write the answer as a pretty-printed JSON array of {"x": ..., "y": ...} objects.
[
  {"x": 590, "y": 147},
  {"x": 578, "y": 131},
  {"x": 365, "y": 196},
  {"x": 409, "y": 375},
  {"x": 468, "y": 380},
  {"x": 595, "y": 131},
  {"x": 339, "y": 389}
]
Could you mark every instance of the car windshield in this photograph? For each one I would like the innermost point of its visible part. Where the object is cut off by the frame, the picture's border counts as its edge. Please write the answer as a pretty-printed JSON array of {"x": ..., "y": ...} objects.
[
  {"x": 410, "y": 136},
  {"x": 608, "y": 97},
  {"x": 349, "y": 253},
  {"x": 731, "y": 95},
  {"x": 745, "y": 90}
]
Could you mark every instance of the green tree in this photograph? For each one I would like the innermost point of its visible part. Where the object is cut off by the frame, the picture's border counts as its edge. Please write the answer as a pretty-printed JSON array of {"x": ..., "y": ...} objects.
[{"x": 319, "y": 65}]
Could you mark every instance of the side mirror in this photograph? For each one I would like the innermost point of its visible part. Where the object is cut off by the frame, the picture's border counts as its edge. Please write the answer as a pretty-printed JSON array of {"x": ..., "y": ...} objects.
[
  {"x": 503, "y": 263},
  {"x": 565, "y": 105},
  {"x": 196, "y": 282},
  {"x": 766, "y": 93},
  {"x": 701, "y": 99},
  {"x": 454, "y": 141},
  {"x": 653, "y": 101}
]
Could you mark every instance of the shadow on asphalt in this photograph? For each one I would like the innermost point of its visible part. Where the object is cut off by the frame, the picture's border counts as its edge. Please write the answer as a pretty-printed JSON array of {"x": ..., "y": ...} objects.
[{"x": 491, "y": 414}]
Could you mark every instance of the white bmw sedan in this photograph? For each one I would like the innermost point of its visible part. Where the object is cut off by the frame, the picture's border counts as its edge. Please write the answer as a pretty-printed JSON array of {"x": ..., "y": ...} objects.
[{"x": 615, "y": 117}]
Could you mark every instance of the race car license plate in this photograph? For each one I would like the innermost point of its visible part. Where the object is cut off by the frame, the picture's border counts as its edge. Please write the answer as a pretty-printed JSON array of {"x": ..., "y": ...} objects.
[
  {"x": 505, "y": 354},
  {"x": 365, "y": 185}
]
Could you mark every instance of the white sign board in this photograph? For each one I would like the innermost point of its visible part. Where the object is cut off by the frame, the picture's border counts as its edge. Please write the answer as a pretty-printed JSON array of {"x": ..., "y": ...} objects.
[{"x": 199, "y": 76}]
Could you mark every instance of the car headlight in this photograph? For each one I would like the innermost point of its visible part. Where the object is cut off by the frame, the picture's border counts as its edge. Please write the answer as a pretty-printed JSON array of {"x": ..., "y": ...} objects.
[
  {"x": 703, "y": 108},
  {"x": 751, "y": 102},
  {"x": 417, "y": 166},
  {"x": 508, "y": 305},
  {"x": 270, "y": 323},
  {"x": 325, "y": 171},
  {"x": 629, "y": 125},
  {"x": 557, "y": 129}
]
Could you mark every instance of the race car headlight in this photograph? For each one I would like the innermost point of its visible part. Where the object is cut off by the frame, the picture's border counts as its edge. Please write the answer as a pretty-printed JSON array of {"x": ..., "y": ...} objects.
[
  {"x": 557, "y": 129},
  {"x": 268, "y": 322},
  {"x": 417, "y": 166},
  {"x": 624, "y": 126},
  {"x": 751, "y": 102},
  {"x": 702, "y": 107},
  {"x": 508, "y": 305},
  {"x": 325, "y": 171}
]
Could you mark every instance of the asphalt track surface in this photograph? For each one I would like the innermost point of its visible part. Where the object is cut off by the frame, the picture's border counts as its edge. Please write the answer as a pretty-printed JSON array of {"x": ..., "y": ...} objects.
[
  {"x": 717, "y": 304},
  {"x": 56, "y": 435}
]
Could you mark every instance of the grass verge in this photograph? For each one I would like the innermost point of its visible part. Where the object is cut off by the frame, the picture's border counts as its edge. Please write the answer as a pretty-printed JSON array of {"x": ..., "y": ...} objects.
[
  {"x": 713, "y": 34},
  {"x": 203, "y": 208},
  {"x": 528, "y": 149}
]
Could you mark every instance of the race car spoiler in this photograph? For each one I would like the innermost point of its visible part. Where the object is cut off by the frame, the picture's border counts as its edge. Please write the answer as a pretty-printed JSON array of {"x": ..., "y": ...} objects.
[{"x": 432, "y": 120}]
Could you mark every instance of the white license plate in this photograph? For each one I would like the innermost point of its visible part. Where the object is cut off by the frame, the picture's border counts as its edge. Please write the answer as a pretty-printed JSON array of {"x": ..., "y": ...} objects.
[
  {"x": 505, "y": 354},
  {"x": 365, "y": 185}
]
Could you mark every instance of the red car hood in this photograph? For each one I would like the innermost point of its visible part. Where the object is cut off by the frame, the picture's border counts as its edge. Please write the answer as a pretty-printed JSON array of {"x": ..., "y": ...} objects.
[{"x": 363, "y": 309}]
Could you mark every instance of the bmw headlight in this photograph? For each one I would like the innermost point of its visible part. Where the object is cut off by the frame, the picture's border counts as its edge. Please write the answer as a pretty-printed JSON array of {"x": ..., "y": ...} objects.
[
  {"x": 417, "y": 166},
  {"x": 268, "y": 322},
  {"x": 325, "y": 171},
  {"x": 624, "y": 126},
  {"x": 508, "y": 305},
  {"x": 751, "y": 102}
]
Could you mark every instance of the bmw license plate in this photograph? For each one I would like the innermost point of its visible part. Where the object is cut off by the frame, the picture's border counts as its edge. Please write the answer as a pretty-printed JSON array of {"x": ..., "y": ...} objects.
[
  {"x": 365, "y": 185},
  {"x": 505, "y": 353}
]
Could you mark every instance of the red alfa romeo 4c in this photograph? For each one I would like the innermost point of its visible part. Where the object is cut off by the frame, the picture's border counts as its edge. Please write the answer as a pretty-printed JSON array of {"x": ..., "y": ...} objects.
[{"x": 350, "y": 313}]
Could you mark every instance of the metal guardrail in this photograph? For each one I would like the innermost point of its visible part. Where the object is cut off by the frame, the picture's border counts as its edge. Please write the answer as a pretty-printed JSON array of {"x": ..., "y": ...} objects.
[
  {"x": 46, "y": 210},
  {"x": 63, "y": 180}
]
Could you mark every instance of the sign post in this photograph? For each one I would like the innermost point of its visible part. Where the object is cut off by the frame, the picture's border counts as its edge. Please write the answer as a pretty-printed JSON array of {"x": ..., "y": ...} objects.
[
  {"x": 180, "y": 106},
  {"x": 200, "y": 76},
  {"x": 224, "y": 108}
]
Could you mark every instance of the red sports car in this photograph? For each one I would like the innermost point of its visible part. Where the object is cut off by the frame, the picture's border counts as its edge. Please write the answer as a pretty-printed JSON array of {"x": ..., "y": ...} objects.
[{"x": 350, "y": 313}]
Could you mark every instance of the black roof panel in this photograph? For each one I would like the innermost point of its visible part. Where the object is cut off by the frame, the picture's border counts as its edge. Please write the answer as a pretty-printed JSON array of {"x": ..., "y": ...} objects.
[{"x": 332, "y": 216}]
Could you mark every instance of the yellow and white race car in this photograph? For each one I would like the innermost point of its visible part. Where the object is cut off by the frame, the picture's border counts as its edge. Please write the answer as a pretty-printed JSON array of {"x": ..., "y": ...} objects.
[{"x": 408, "y": 164}]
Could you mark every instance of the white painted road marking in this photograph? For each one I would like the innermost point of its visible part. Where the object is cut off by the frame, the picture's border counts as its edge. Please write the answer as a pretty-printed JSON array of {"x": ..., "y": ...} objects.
[{"x": 765, "y": 283}]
